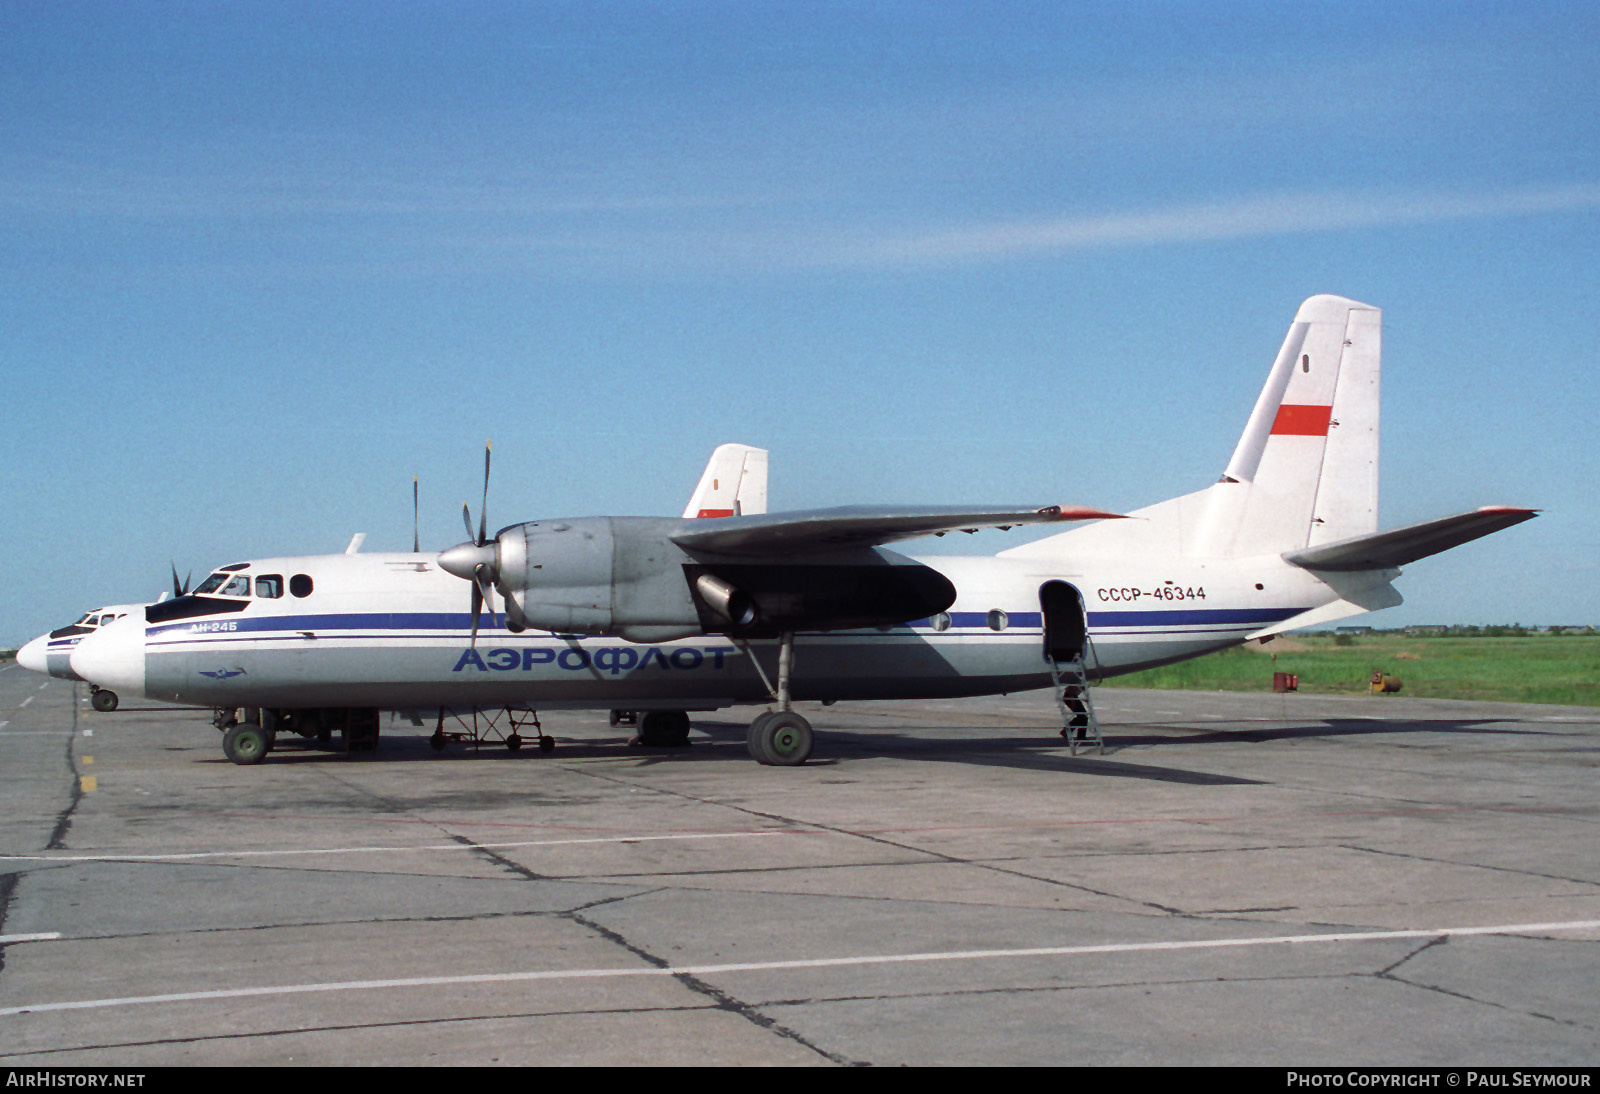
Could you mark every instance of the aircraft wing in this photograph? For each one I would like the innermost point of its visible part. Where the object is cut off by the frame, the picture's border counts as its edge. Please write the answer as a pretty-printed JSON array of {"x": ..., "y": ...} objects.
[
  {"x": 858, "y": 526},
  {"x": 1399, "y": 546}
]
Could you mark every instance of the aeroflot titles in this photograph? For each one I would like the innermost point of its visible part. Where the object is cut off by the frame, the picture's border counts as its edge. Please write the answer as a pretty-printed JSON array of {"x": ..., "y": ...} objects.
[{"x": 612, "y": 659}]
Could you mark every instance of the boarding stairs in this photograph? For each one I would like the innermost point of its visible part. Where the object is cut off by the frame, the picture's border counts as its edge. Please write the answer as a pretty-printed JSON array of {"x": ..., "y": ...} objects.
[{"x": 1079, "y": 724}]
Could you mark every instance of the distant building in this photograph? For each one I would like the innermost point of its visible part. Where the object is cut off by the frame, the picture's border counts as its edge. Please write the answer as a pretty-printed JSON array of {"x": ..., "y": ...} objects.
[
  {"x": 1430, "y": 630},
  {"x": 1352, "y": 630}
]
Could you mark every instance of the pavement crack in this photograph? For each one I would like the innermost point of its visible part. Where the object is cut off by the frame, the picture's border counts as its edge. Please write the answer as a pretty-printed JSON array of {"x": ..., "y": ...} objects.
[
  {"x": 937, "y": 856},
  {"x": 1513, "y": 870},
  {"x": 719, "y": 998},
  {"x": 1426, "y": 946}
]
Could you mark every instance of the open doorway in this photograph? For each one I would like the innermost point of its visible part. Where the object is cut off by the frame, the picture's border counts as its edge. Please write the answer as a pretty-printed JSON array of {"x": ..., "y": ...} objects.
[{"x": 1066, "y": 629}]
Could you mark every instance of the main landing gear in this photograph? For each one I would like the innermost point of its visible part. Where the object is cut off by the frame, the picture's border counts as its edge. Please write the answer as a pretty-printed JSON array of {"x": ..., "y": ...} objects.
[
  {"x": 779, "y": 738},
  {"x": 663, "y": 729}
]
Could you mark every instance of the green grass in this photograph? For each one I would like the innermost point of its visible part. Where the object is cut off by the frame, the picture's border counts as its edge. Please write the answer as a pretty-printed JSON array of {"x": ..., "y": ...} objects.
[{"x": 1544, "y": 669}]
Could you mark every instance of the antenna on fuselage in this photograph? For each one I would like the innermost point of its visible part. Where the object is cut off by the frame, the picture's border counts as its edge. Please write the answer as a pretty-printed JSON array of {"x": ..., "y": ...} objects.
[{"x": 416, "y": 543}]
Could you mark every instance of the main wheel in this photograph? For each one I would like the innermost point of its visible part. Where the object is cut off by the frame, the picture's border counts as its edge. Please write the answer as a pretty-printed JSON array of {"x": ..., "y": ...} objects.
[
  {"x": 781, "y": 739},
  {"x": 547, "y": 743},
  {"x": 246, "y": 743},
  {"x": 755, "y": 739},
  {"x": 514, "y": 742},
  {"x": 437, "y": 741},
  {"x": 664, "y": 729},
  {"x": 104, "y": 701}
]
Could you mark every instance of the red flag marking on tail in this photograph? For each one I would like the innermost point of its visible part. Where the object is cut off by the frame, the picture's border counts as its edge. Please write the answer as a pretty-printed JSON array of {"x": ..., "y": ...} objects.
[{"x": 1300, "y": 420}]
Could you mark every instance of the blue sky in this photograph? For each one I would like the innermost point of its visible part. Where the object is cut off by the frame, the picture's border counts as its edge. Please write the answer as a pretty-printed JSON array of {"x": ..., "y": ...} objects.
[{"x": 261, "y": 263}]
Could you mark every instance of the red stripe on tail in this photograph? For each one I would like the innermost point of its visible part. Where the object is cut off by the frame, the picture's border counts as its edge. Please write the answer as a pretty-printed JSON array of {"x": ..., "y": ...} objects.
[{"x": 1300, "y": 420}]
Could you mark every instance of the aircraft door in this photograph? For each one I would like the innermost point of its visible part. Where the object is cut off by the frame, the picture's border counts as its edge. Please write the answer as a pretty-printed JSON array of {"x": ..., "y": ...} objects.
[{"x": 1066, "y": 628}]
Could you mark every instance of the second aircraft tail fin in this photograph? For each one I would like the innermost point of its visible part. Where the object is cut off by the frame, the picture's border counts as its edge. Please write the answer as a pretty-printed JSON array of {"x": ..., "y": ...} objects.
[{"x": 734, "y": 483}]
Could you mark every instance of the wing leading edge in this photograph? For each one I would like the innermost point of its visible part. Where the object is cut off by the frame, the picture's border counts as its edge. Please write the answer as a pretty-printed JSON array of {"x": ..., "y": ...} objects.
[
  {"x": 858, "y": 526},
  {"x": 1399, "y": 546}
]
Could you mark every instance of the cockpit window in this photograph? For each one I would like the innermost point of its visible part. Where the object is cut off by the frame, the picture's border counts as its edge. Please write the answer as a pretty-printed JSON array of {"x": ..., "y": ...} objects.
[
  {"x": 86, "y": 621},
  {"x": 269, "y": 586},
  {"x": 211, "y": 584},
  {"x": 237, "y": 586}
]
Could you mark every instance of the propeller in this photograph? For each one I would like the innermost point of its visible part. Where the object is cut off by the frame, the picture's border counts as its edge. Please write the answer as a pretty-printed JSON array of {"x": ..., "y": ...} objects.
[
  {"x": 416, "y": 541},
  {"x": 478, "y": 560},
  {"x": 180, "y": 588}
]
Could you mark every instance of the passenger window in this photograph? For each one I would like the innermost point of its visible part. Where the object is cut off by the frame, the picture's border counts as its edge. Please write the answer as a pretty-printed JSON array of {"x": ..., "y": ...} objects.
[
  {"x": 211, "y": 584},
  {"x": 269, "y": 586},
  {"x": 998, "y": 620},
  {"x": 941, "y": 622},
  {"x": 239, "y": 586},
  {"x": 300, "y": 584}
]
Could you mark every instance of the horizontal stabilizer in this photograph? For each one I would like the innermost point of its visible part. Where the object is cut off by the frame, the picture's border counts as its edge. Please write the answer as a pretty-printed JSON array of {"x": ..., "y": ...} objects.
[
  {"x": 858, "y": 526},
  {"x": 1399, "y": 546}
]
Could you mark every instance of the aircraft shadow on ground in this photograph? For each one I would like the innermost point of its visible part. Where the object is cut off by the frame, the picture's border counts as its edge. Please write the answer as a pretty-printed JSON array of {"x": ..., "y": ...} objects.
[
  {"x": 1039, "y": 750},
  {"x": 1336, "y": 727}
]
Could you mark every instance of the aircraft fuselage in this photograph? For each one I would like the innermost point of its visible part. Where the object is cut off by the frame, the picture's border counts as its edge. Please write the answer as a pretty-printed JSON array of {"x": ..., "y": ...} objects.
[{"x": 391, "y": 631}]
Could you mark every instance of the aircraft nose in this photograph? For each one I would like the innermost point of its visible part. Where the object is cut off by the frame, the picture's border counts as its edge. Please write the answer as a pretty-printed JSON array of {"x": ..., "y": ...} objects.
[
  {"x": 31, "y": 656},
  {"x": 113, "y": 656}
]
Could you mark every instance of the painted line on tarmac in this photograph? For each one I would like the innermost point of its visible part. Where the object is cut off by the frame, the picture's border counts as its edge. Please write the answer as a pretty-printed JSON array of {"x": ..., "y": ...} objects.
[
  {"x": 778, "y": 966},
  {"x": 44, "y": 936},
  {"x": 190, "y": 856}
]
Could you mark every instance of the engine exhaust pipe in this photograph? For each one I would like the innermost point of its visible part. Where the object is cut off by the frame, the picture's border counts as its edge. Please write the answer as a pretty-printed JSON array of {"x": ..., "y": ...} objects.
[{"x": 730, "y": 603}]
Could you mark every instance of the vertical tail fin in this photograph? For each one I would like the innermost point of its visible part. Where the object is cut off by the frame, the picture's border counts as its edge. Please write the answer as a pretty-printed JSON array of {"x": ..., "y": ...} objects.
[
  {"x": 1305, "y": 470},
  {"x": 734, "y": 483}
]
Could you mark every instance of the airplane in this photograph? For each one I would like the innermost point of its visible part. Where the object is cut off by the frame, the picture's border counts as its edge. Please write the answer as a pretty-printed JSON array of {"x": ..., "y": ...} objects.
[
  {"x": 50, "y": 653},
  {"x": 740, "y": 467},
  {"x": 671, "y": 616}
]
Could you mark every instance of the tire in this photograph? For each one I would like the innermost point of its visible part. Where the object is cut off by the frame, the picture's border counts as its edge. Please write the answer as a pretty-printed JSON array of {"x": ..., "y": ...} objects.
[
  {"x": 664, "y": 729},
  {"x": 104, "y": 701},
  {"x": 755, "y": 740},
  {"x": 785, "y": 739},
  {"x": 514, "y": 742},
  {"x": 547, "y": 743},
  {"x": 437, "y": 741},
  {"x": 246, "y": 744}
]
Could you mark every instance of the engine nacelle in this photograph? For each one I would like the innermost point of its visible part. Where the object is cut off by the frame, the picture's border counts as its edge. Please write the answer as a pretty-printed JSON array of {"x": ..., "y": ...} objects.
[
  {"x": 625, "y": 576},
  {"x": 598, "y": 575}
]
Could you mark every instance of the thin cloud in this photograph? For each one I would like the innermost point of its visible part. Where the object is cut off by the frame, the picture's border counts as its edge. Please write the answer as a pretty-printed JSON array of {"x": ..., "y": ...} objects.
[{"x": 1285, "y": 214}]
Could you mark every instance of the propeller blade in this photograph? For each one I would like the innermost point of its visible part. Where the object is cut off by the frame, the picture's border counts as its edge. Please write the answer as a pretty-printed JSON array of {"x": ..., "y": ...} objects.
[
  {"x": 477, "y": 609},
  {"x": 416, "y": 541},
  {"x": 177, "y": 590},
  {"x": 466, "y": 518},
  {"x": 483, "y": 576},
  {"x": 483, "y": 512}
]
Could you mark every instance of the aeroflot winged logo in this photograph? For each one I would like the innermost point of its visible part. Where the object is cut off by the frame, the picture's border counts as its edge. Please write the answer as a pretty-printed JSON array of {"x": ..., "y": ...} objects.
[{"x": 222, "y": 674}]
